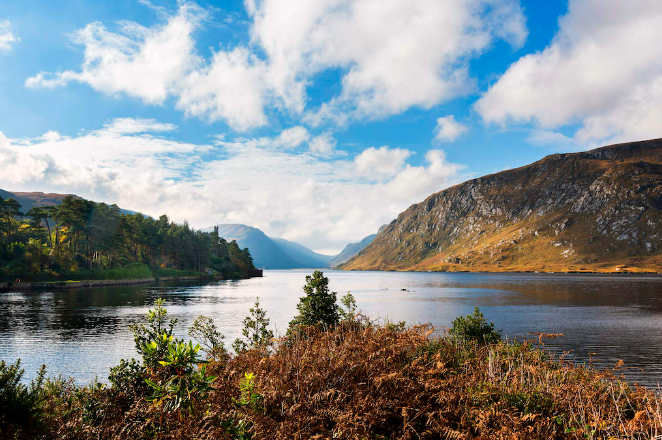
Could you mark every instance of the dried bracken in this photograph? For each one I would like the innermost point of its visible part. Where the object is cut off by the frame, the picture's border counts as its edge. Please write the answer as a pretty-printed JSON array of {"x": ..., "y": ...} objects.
[{"x": 367, "y": 382}]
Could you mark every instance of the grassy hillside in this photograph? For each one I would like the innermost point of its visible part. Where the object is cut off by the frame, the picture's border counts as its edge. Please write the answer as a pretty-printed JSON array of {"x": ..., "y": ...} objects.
[{"x": 598, "y": 211}]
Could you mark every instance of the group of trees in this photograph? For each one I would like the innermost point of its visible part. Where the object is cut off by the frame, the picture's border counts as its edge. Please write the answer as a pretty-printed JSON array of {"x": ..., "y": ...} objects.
[{"x": 82, "y": 237}]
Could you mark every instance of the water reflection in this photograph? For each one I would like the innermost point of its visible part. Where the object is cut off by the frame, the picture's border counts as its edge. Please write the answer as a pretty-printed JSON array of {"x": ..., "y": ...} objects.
[{"x": 83, "y": 332}]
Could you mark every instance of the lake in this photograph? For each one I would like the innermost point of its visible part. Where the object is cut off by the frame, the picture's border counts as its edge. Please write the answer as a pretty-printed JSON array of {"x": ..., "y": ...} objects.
[{"x": 82, "y": 333}]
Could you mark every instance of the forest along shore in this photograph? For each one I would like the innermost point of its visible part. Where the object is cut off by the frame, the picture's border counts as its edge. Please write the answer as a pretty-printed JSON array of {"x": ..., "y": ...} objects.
[{"x": 80, "y": 240}]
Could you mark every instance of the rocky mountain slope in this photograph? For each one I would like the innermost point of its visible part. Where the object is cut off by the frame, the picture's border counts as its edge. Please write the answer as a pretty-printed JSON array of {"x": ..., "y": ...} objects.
[
  {"x": 350, "y": 250},
  {"x": 599, "y": 210}
]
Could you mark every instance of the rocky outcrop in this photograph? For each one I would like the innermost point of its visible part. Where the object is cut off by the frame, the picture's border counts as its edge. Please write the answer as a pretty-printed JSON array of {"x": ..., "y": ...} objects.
[{"x": 599, "y": 210}]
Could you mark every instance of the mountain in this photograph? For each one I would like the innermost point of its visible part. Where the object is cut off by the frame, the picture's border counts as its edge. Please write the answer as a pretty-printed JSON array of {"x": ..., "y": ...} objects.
[
  {"x": 354, "y": 248},
  {"x": 350, "y": 250},
  {"x": 266, "y": 254},
  {"x": 302, "y": 255},
  {"x": 29, "y": 200},
  {"x": 278, "y": 253},
  {"x": 599, "y": 210}
]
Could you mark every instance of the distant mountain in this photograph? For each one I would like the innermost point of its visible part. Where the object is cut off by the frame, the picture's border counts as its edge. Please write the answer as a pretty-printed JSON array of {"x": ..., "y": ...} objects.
[
  {"x": 265, "y": 252},
  {"x": 351, "y": 250},
  {"x": 599, "y": 210},
  {"x": 305, "y": 257},
  {"x": 29, "y": 200}
]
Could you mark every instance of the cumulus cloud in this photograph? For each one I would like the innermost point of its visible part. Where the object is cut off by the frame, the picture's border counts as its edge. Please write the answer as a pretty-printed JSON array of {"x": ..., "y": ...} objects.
[
  {"x": 394, "y": 55},
  {"x": 448, "y": 129},
  {"x": 156, "y": 63},
  {"x": 320, "y": 202},
  {"x": 323, "y": 145},
  {"x": 293, "y": 137},
  {"x": 230, "y": 88},
  {"x": 7, "y": 37},
  {"x": 142, "y": 62},
  {"x": 602, "y": 71},
  {"x": 379, "y": 163}
]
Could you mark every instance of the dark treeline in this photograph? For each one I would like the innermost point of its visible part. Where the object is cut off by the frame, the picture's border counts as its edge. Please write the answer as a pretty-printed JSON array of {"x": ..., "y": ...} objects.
[{"x": 80, "y": 239}]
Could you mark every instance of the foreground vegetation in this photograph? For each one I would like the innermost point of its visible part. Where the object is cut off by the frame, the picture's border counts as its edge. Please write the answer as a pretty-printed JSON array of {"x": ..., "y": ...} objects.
[
  {"x": 83, "y": 240},
  {"x": 336, "y": 375}
]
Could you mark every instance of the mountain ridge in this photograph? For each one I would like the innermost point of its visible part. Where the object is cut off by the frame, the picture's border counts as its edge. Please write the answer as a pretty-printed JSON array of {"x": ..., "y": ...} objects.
[{"x": 598, "y": 210}]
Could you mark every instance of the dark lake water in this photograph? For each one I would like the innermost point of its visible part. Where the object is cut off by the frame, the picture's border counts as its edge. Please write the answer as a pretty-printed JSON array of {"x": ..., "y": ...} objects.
[{"x": 81, "y": 333}]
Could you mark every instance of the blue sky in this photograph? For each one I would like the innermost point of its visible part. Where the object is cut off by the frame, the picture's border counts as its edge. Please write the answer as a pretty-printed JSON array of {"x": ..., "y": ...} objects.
[{"x": 314, "y": 121}]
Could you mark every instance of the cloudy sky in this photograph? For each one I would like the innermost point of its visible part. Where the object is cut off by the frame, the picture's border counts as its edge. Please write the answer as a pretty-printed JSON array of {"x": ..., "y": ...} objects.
[{"x": 316, "y": 121}]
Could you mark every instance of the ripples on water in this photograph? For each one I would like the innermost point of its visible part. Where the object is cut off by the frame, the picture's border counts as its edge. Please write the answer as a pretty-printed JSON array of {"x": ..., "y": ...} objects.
[{"x": 81, "y": 333}]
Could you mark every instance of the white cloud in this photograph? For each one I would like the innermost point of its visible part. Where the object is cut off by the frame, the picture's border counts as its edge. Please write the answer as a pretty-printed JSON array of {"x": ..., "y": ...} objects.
[
  {"x": 323, "y": 145},
  {"x": 394, "y": 54},
  {"x": 231, "y": 88},
  {"x": 380, "y": 163},
  {"x": 7, "y": 37},
  {"x": 555, "y": 140},
  {"x": 160, "y": 62},
  {"x": 602, "y": 70},
  {"x": 397, "y": 54},
  {"x": 448, "y": 129},
  {"x": 135, "y": 125},
  {"x": 141, "y": 62},
  {"x": 293, "y": 137},
  {"x": 319, "y": 202}
]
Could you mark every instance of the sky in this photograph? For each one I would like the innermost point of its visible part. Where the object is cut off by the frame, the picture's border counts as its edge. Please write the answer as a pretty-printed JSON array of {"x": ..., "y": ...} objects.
[{"x": 315, "y": 121}]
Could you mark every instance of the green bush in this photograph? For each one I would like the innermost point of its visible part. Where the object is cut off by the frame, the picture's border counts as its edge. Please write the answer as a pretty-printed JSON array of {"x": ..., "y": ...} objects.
[
  {"x": 20, "y": 405},
  {"x": 349, "y": 312},
  {"x": 171, "y": 368},
  {"x": 129, "y": 376},
  {"x": 318, "y": 306},
  {"x": 474, "y": 328},
  {"x": 256, "y": 330},
  {"x": 205, "y": 332},
  {"x": 184, "y": 384}
]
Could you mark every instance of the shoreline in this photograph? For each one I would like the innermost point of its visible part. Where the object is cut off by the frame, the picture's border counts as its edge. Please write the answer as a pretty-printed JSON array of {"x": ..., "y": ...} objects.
[
  {"x": 80, "y": 284},
  {"x": 521, "y": 272}
]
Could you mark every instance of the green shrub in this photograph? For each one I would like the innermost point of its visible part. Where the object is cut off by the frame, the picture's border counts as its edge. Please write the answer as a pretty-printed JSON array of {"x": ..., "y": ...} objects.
[
  {"x": 20, "y": 405},
  {"x": 349, "y": 312},
  {"x": 205, "y": 332},
  {"x": 156, "y": 330},
  {"x": 172, "y": 368},
  {"x": 474, "y": 327},
  {"x": 129, "y": 376},
  {"x": 256, "y": 330},
  {"x": 396, "y": 327},
  {"x": 249, "y": 397},
  {"x": 184, "y": 384},
  {"x": 318, "y": 306}
]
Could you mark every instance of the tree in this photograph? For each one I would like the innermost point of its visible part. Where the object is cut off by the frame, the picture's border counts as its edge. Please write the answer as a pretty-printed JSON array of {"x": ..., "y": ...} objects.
[
  {"x": 474, "y": 328},
  {"x": 9, "y": 209},
  {"x": 319, "y": 306},
  {"x": 256, "y": 330}
]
